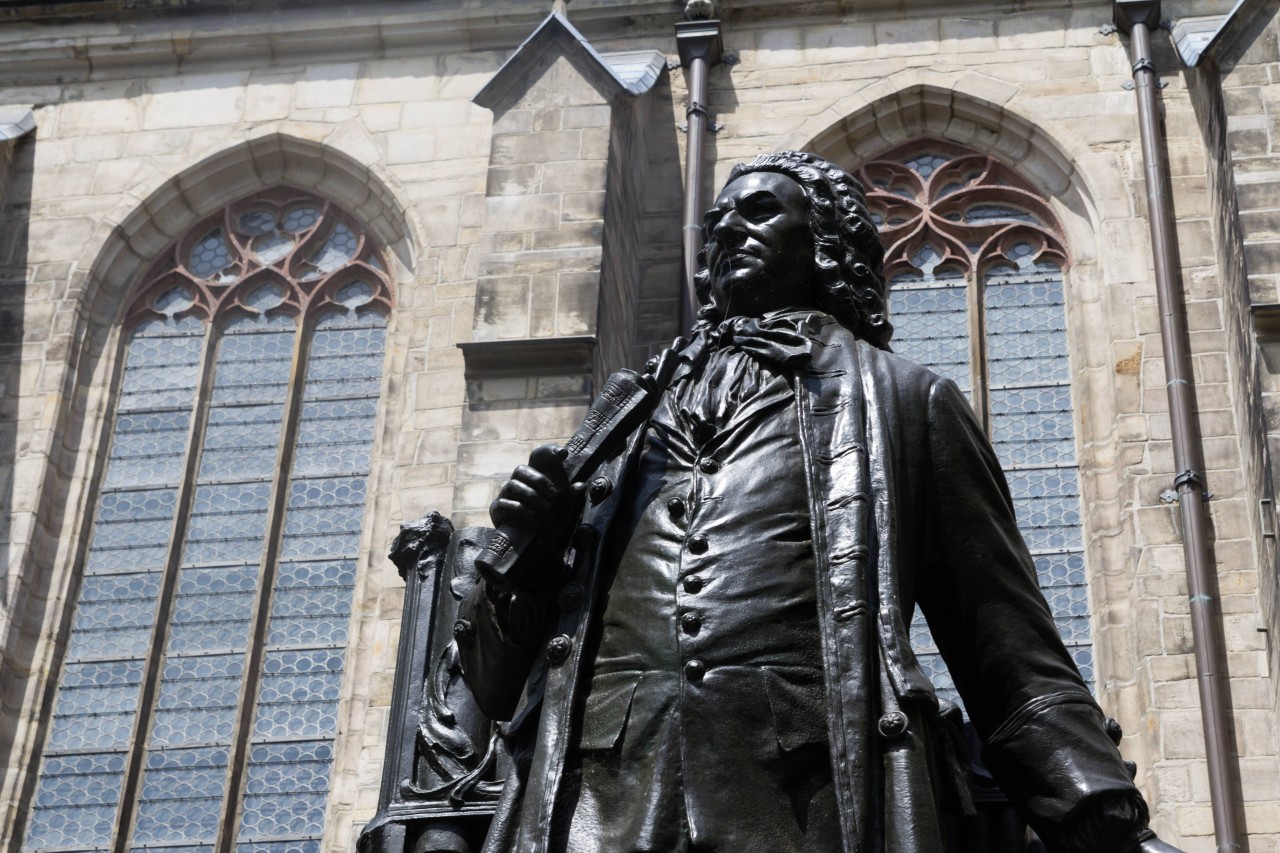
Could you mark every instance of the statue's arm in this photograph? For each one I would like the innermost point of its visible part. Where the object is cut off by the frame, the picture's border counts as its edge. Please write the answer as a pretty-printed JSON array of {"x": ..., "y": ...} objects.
[
  {"x": 1045, "y": 736},
  {"x": 500, "y": 630},
  {"x": 502, "y": 635}
]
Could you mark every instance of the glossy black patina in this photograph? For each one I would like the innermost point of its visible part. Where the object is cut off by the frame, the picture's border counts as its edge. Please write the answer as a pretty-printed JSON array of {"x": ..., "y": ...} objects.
[{"x": 708, "y": 648}]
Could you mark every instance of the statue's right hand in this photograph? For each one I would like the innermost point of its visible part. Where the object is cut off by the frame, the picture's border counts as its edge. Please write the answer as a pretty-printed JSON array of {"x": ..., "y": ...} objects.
[{"x": 534, "y": 492}]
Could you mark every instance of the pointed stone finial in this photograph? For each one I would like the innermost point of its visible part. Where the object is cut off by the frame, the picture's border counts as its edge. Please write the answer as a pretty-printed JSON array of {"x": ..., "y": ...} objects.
[{"x": 560, "y": 7}]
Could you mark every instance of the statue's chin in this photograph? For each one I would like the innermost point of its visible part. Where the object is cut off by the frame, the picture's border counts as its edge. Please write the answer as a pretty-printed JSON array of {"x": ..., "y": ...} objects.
[{"x": 756, "y": 295}]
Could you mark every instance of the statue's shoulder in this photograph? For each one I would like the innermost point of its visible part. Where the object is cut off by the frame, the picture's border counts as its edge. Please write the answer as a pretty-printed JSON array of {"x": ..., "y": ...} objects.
[
  {"x": 899, "y": 366},
  {"x": 901, "y": 372},
  {"x": 905, "y": 378}
]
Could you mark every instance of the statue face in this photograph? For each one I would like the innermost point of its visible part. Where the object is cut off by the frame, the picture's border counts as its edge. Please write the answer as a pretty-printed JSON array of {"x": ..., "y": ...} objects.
[{"x": 759, "y": 246}]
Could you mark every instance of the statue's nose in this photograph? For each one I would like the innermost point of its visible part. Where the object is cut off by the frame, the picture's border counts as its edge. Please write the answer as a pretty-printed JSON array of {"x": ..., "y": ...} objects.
[{"x": 731, "y": 224}]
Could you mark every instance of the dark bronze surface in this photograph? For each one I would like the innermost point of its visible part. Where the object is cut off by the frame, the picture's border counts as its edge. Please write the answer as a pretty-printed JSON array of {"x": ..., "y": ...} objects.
[{"x": 712, "y": 651}]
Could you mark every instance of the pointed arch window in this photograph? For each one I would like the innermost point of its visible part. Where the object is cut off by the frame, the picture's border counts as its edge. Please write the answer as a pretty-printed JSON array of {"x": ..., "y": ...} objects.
[
  {"x": 197, "y": 704},
  {"x": 975, "y": 262}
]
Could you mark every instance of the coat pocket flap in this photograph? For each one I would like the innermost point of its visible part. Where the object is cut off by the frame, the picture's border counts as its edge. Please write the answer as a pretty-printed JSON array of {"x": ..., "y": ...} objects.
[
  {"x": 798, "y": 701},
  {"x": 605, "y": 711}
]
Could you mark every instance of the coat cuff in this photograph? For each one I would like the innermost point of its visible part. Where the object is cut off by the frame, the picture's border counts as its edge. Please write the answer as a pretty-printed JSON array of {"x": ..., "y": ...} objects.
[{"x": 1054, "y": 760}]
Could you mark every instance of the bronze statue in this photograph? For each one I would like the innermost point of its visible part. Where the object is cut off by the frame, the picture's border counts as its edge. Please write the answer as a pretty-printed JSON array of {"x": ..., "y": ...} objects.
[{"x": 705, "y": 647}]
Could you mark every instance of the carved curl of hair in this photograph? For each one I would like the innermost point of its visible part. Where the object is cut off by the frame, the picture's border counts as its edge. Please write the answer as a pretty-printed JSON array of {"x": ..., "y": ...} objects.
[{"x": 848, "y": 255}]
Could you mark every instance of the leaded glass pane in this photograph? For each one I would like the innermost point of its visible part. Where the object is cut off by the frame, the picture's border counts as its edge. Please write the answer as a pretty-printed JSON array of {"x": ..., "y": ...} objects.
[
  {"x": 983, "y": 213},
  {"x": 300, "y": 219},
  {"x": 286, "y": 791},
  {"x": 312, "y": 603},
  {"x": 1028, "y": 400},
  {"x": 311, "y": 846},
  {"x": 931, "y": 322},
  {"x": 299, "y": 694},
  {"x": 76, "y": 802},
  {"x": 271, "y": 248},
  {"x": 212, "y": 612},
  {"x": 922, "y": 643},
  {"x": 1026, "y": 326},
  {"x": 115, "y": 616},
  {"x": 355, "y": 294},
  {"x": 97, "y": 695},
  {"x": 925, "y": 165},
  {"x": 225, "y": 509},
  {"x": 337, "y": 251},
  {"x": 335, "y": 436},
  {"x": 1033, "y": 432},
  {"x": 255, "y": 223},
  {"x": 182, "y": 793},
  {"x": 210, "y": 256},
  {"x": 239, "y": 436},
  {"x": 297, "y": 701},
  {"x": 174, "y": 301},
  {"x": 265, "y": 298}
]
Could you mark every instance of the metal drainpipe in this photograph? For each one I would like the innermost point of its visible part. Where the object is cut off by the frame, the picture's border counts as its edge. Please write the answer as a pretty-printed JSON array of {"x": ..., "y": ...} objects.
[
  {"x": 700, "y": 47},
  {"x": 1137, "y": 17}
]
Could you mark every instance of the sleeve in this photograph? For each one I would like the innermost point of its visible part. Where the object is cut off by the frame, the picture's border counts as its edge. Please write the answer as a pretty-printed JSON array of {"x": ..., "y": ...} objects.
[
  {"x": 499, "y": 636},
  {"x": 1045, "y": 736}
]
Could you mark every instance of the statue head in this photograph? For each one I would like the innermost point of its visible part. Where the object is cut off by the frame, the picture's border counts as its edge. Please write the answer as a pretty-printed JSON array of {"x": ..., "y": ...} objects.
[{"x": 791, "y": 230}]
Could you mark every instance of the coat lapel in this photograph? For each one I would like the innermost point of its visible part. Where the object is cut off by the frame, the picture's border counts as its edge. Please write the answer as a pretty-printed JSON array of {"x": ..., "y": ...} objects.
[{"x": 831, "y": 409}]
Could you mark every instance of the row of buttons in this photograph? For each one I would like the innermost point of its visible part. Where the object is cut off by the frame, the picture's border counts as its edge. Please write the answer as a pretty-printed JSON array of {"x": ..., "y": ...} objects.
[
  {"x": 559, "y": 647},
  {"x": 573, "y": 594},
  {"x": 691, "y": 621}
]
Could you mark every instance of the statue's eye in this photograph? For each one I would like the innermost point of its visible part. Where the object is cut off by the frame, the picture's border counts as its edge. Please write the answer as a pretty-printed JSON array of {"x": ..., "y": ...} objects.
[{"x": 758, "y": 208}]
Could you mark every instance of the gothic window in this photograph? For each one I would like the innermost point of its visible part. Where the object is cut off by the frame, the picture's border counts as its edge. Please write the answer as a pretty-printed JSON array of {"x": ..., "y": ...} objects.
[
  {"x": 975, "y": 266},
  {"x": 198, "y": 701}
]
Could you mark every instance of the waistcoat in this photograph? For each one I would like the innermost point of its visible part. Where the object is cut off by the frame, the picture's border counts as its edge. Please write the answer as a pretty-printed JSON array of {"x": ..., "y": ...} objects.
[{"x": 712, "y": 605}]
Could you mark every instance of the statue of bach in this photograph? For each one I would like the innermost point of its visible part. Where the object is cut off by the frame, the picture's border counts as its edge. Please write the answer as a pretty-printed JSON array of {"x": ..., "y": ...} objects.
[{"x": 706, "y": 648}]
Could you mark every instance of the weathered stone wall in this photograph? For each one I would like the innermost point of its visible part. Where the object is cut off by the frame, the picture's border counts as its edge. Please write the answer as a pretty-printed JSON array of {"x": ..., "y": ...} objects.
[
  {"x": 126, "y": 160},
  {"x": 559, "y": 257},
  {"x": 398, "y": 143},
  {"x": 1236, "y": 99},
  {"x": 657, "y": 309},
  {"x": 625, "y": 183},
  {"x": 1247, "y": 161},
  {"x": 1252, "y": 698}
]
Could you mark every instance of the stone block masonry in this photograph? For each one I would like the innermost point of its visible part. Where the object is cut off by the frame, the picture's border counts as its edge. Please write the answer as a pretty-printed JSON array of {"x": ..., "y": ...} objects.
[{"x": 552, "y": 219}]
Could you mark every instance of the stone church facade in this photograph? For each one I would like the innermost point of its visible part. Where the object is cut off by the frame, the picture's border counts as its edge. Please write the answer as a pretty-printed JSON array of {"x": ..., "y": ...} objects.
[{"x": 276, "y": 278}]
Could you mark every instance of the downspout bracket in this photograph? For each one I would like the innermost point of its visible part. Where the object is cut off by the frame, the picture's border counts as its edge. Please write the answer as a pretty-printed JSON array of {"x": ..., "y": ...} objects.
[{"x": 1193, "y": 478}]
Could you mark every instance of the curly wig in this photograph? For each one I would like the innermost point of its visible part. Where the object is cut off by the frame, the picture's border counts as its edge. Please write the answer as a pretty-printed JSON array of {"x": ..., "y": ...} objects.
[{"x": 848, "y": 255}]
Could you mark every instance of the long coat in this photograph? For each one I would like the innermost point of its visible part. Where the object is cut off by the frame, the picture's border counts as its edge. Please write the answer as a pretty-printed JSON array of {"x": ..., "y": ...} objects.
[{"x": 908, "y": 505}]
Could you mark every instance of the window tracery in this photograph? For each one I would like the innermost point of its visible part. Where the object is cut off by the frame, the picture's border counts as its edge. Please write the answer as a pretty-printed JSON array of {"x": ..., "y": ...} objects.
[
  {"x": 221, "y": 562},
  {"x": 974, "y": 266}
]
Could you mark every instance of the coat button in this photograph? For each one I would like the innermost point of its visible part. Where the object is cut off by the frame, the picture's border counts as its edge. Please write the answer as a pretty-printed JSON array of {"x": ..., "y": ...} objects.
[
  {"x": 698, "y": 544},
  {"x": 584, "y": 536},
  {"x": 691, "y": 622},
  {"x": 600, "y": 488},
  {"x": 675, "y": 508},
  {"x": 893, "y": 724},
  {"x": 464, "y": 631},
  {"x": 694, "y": 584},
  {"x": 571, "y": 596},
  {"x": 709, "y": 466},
  {"x": 558, "y": 649},
  {"x": 694, "y": 670}
]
